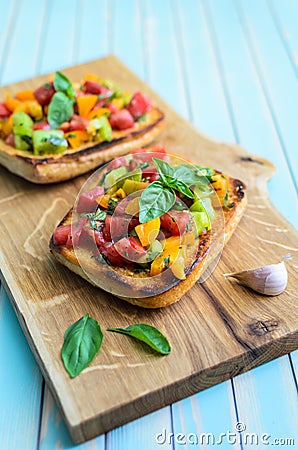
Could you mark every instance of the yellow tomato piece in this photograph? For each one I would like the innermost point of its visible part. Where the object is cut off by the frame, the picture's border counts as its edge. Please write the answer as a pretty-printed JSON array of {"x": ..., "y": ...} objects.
[
  {"x": 25, "y": 95},
  {"x": 11, "y": 102},
  {"x": 147, "y": 232},
  {"x": 133, "y": 207},
  {"x": 7, "y": 126},
  {"x": 167, "y": 257},
  {"x": 91, "y": 77},
  {"x": 85, "y": 104},
  {"x": 34, "y": 109},
  {"x": 118, "y": 102},
  {"x": 120, "y": 193},
  {"x": 77, "y": 138},
  {"x": 178, "y": 267},
  {"x": 98, "y": 112},
  {"x": 220, "y": 184},
  {"x": 103, "y": 200}
]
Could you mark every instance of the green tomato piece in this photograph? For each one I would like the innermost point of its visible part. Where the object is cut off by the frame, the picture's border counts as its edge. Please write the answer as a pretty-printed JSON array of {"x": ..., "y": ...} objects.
[
  {"x": 103, "y": 128},
  {"x": 49, "y": 142},
  {"x": 204, "y": 205},
  {"x": 130, "y": 186},
  {"x": 112, "y": 177},
  {"x": 202, "y": 221},
  {"x": 23, "y": 142},
  {"x": 22, "y": 124}
]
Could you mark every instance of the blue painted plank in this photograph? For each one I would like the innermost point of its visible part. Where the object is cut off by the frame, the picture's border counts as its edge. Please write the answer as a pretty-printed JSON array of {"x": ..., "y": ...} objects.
[
  {"x": 285, "y": 16},
  {"x": 208, "y": 109},
  {"x": 91, "y": 40},
  {"x": 163, "y": 67},
  {"x": 277, "y": 76},
  {"x": 144, "y": 433},
  {"x": 127, "y": 35},
  {"x": 267, "y": 403},
  {"x": 202, "y": 418},
  {"x": 21, "y": 60},
  {"x": 59, "y": 37},
  {"x": 252, "y": 118},
  {"x": 53, "y": 432},
  {"x": 20, "y": 384}
]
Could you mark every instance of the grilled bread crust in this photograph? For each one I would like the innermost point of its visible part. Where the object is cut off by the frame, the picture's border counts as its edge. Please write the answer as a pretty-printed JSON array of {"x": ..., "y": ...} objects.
[
  {"x": 208, "y": 250},
  {"x": 56, "y": 168}
]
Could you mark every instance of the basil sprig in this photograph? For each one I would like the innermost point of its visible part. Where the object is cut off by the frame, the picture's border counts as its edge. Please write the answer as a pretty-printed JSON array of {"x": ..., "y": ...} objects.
[
  {"x": 62, "y": 84},
  {"x": 60, "y": 109},
  {"x": 147, "y": 334},
  {"x": 82, "y": 341},
  {"x": 94, "y": 216},
  {"x": 61, "y": 105}
]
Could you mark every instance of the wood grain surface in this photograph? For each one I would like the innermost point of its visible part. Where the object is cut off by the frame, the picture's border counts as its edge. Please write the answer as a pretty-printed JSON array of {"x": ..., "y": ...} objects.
[{"x": 219, "y": 329}]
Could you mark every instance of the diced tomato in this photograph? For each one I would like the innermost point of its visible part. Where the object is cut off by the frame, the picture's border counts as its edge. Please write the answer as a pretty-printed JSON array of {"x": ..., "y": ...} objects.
[
  {"x": 117, "y": 162},
  {"x": 10, "y": 140},
  {"x": 92, "y": 87},
  {"x": 44, "y": 125},
  {"x": 77, "y": 125},
  {"x": 174, "y": 223},
  {"x": 61, "y": 234},
  {"x": 87, "y": 201},
  {"x": 130, "y": 248},
  {"x": 4, "y": 111},
  {"x": 151, "y": 173},
  {"x": 121, "y": 120},
  {"x": 110, "y": 252},
  {"x": 112, "y": 108},
  {"x": 44, "y": 93},
  {"x": 65, "y": 126},
  {"x": 139, "y": 105}
]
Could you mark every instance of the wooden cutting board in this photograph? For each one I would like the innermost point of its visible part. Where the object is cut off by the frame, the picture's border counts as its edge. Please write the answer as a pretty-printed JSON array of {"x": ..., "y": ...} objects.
[{"x": 218, "y": 330}]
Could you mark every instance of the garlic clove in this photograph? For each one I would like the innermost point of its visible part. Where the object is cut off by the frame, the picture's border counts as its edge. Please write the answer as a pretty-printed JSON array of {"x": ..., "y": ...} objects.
[{"x": 267, "y": 280}]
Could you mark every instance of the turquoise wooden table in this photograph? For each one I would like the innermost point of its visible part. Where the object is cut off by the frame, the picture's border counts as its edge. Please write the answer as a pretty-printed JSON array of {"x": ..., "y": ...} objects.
[{"x": 231, "y": 68}]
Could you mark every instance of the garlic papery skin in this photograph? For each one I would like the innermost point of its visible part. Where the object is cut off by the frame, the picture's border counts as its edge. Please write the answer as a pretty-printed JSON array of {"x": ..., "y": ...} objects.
[{"x": 267, "y": 280}]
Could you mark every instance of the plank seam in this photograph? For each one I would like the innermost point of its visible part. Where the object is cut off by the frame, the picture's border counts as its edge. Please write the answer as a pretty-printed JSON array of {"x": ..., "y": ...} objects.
[
  {"x": 236, "y": 408},
  {"x": 254, "y": 56},
  {"x": 293, "y": 370},
  {"x": 41, "y": 409},
  {"x": 278, "y": 25}
]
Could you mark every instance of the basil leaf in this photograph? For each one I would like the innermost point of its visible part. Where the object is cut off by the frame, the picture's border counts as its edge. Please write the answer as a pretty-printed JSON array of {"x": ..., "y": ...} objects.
[
  {"x": 82, "y": 341},
  {"x": 60, "y": 109},
  {"x": 226, "y": 200},
  {"x": 97, "y": 215},
  {"x": 164, "y": 169},
  {"x": 62, "y": 84},
  {"x": 148, "y": 334},
  {"x": 182, "y": 187},
  {"x": 155, "y": 201}
]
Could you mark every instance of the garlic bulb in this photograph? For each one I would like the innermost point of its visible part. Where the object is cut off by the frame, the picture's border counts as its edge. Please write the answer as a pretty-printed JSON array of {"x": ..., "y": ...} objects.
[{"x": 268, "y": 280}]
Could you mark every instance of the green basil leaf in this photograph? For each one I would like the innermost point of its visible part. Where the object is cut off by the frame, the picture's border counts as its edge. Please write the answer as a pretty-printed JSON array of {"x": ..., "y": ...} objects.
[
  {"x": 82, "y": 341},
  {"x": 164, "y": 169},
  {"x": 182, "y": 187},
  {"x": 60, "y": 109},
  {"x": 148, "y": 334},
  {"x": 155, "y": 201},
  {"x": 226, "y": 201},
  {"x": 62, "y": 84},
  {"x": 97, "y": 215}
]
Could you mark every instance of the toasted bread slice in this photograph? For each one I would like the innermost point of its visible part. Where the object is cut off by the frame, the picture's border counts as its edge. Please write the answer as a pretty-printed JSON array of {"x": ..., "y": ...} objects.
[
  {"x": 56, "y": 168},
  {"x": 162, "y": 292}
]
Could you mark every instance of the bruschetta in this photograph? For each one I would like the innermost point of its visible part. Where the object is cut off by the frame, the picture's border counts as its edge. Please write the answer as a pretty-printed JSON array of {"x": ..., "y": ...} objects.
[
  {"x": 146, "y": 227},
  {"x": 62, "y": 129}
]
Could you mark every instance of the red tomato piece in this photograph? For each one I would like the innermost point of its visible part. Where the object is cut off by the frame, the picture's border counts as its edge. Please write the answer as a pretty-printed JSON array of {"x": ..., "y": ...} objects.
[
  {"x": 44, "y": 125},
  {"x": 112, "y": 108},
  {"x": 130, "y": 249},
  {"x": 65, "y": 126},
  {"x": 117, "y": 162},
  {"x": 110, "y": 252},
  {"x": 44, "y": 93},
  {"x": 151, "y": 173},
  {"x": 92, "y": 87},
  {"x": 139, "y": 105},
  {"x": 10, "y": 140},
  {"x": 121, "y": 120},
  {"x": 62, "y": 234},
  {"x": 4, "y": 111},
  {"x": 174, "y": 223},
  {"x": 87, "y": 201}
]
